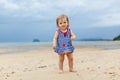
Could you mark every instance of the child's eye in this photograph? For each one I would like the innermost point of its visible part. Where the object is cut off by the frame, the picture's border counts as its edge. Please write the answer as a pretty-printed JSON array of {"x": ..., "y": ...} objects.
[
  {"x": 64, "y": 22},
  {"x": 60, "y": 23}
]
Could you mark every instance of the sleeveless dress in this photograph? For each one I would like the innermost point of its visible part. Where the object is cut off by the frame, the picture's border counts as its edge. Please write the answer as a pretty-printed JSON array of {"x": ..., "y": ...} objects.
[{"x": 64, "y": 43}]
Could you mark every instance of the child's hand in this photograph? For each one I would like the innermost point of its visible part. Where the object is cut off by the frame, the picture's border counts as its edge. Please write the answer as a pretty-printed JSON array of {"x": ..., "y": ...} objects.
[
  {"x": 73, "y": 37},
  {"x": 54, "y": 47}
]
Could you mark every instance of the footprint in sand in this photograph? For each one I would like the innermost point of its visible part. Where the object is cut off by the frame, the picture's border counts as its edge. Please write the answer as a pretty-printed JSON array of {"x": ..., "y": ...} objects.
[
  {"x": 26, "y": 69},
  {"x": 112, "y": 75},
  {"x": 112, "y": 67},
  {"x": 42, "y": 66},
  {"x": 77, "y": 74},
  {"x": 91, "y": 69},
  {"x": 99, "y": 67},
  {"x": 6, "y": 75},
  {"x": 88, "y": 68},
  {"x": 105, "y": 72},
  {"x": 82, "y": 61},
  {"x": 13, "y": 72}
]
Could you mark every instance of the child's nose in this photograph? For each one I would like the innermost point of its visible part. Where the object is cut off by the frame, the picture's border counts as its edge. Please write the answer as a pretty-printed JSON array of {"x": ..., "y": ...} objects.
[{"x": 63, "y": 24}]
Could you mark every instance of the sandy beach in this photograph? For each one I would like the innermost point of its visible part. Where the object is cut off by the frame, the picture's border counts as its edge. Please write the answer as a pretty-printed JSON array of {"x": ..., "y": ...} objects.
[{"x": 90, "y": 63}]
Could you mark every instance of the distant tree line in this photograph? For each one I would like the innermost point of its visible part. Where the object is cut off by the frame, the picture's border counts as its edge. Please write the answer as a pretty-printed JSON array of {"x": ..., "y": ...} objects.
[{"x": 116, "y": 38}]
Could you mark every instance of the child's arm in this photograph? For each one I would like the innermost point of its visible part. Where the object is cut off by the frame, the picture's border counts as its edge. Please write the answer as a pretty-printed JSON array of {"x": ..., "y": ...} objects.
[
  {"x": 55, "y": 40},
  {"x": 73, "y": 37}
]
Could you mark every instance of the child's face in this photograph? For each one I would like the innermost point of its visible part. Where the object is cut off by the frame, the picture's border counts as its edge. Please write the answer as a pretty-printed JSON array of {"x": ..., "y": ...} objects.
[{"x": 63, "y": 23}]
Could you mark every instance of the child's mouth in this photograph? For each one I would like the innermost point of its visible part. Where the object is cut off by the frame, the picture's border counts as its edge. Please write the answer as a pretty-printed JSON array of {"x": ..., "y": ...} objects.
[{"x": 63, "y": 26}]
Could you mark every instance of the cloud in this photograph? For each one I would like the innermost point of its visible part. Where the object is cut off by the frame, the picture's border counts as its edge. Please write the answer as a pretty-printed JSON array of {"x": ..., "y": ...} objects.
[
  {"x": 100, "y": 12},
  {"x": 39, "y": 8},
  {"x": 8, "y": 5},
  {"x": 103, "y": 13},
  {"x": 96, "y": 5},
  {"x": 111, "y": 19}
]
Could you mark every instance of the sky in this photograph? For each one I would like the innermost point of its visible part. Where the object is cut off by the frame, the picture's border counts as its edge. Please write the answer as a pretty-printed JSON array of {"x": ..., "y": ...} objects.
[{"x": 25, "y": 20}]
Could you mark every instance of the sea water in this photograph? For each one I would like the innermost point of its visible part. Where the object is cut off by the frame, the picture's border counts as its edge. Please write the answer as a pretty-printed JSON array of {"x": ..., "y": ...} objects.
[
  {"x": 17, "y": 47},
  {"x": 99, "y": 44}
]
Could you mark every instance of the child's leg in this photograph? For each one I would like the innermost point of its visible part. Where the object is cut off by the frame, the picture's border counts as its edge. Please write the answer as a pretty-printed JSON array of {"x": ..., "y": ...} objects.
[
  {"x": 61, "y": 60},
  {"x": 70, "y": 62}
]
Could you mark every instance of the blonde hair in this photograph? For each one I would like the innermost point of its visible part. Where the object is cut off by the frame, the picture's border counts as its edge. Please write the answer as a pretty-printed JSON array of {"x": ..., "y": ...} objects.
[{"x": 61, "y": 17}]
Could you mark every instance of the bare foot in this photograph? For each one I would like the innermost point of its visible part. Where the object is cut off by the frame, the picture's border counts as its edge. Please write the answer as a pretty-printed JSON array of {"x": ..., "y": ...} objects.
[
  {"x": 72, "y": 71},
  {"x": 60, "y": 71}
]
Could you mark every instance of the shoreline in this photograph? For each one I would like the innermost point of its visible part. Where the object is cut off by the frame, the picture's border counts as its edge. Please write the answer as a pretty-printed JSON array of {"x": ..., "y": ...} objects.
[{"x": 26, "y": 47}]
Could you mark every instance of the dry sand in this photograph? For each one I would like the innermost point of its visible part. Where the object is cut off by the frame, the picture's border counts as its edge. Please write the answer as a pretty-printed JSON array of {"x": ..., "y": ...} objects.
[{"x": 90, "y": 63}]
